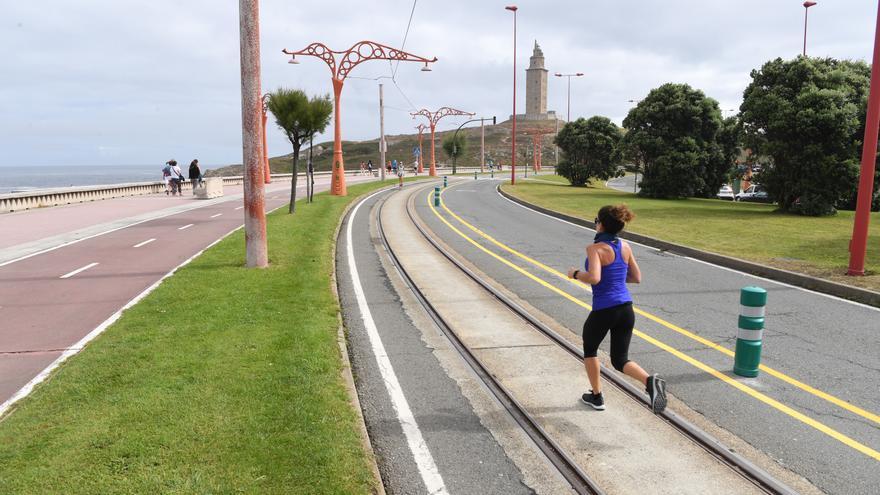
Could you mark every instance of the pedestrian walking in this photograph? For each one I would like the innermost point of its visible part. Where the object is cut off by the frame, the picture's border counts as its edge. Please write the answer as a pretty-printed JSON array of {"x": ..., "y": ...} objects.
[
  {"x": 166, "y": 176},
  {"x": 415, "y": 166},
  {"x": 370, "y": 167},
  {"x": 394, "y": 166},
  {"x": 176, "y": 178},
  {"x": 609, "y": 266},
  {"x": 400, "y": 172},
  {"x": 363, "y": 168},
  {"x": 195, "y": 175}
]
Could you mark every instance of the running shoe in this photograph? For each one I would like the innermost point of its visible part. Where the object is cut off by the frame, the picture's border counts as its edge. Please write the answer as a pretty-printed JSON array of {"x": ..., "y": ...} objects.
[
  {"x": 596, "y": 401},
  {"x": 657, "y": 393}
]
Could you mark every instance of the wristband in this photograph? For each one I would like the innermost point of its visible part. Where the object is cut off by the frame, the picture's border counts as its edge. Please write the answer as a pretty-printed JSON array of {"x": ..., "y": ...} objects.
[{"x": 575, "y": 275}]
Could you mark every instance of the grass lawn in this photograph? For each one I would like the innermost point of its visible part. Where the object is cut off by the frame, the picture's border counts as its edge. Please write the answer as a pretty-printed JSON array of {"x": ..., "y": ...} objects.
[
  {"x": 816, "y": 246},
  {"x": 245, "y": 398}
]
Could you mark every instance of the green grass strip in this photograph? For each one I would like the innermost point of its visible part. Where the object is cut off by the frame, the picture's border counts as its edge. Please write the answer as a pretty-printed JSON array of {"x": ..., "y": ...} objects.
[
  {"x": 817, "y": 246},
  {"x": 223, "y": 380}
]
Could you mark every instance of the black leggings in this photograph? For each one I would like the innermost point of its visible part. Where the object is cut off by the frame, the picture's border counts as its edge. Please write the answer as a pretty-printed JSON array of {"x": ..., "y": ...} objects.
[{"x": 620, "y": 320}]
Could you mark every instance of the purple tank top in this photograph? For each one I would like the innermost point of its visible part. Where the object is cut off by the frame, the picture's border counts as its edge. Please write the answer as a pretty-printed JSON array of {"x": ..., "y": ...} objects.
[{"x": 611, "y": 289}]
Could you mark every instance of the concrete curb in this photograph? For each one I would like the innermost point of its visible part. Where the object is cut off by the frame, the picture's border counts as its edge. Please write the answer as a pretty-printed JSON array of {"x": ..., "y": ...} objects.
[
  {"x": 856, "y": 294},
  {"x": 348, "y": 378}
]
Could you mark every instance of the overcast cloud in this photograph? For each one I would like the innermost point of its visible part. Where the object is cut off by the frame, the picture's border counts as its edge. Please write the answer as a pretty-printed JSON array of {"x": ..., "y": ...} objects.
[{"x": 100, "y": 82}]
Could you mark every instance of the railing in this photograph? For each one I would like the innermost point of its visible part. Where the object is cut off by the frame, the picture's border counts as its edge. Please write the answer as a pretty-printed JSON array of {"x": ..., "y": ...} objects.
[{"x": 43, "y": 198}]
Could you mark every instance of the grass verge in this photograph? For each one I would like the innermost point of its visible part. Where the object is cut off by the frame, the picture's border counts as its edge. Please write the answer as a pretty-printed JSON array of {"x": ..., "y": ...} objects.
[
  {"x": 223, "y": 380},
  {"x": 817, "y": 246}
]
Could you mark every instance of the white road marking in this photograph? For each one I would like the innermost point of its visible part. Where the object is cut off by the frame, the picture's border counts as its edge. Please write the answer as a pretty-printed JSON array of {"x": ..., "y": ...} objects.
[
  {"x": 732, "y": 270},
  {"x": 240, "y": 207},
  {"x": 185, "y": 226},
  {"x": 215, "y": 216},
  {"x": 425, "y": 462},
  {"x": 78, "y": 270},
  {"x": 75, "y": 348},
  {"x": 144, "y": 243}
]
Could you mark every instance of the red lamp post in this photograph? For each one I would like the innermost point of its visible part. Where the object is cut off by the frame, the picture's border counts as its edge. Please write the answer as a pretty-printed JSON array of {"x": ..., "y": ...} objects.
[
  {"x": 433, "y": 118},
  {"x": 348, "y": 59},
  {"x": 267, "y": 174},
  {"x": 569, "y": 76},
  {"x": 513, "y": 9},
  {"x": 421, "y": 127},
  {"x": 807, "y": 6},
  {"x": 859, "y": 244},
  {"x": 537, "y": 142}
]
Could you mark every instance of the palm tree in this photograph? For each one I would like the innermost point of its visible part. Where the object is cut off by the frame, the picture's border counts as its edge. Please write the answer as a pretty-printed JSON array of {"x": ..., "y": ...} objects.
[{"x": 300, "y": 118}]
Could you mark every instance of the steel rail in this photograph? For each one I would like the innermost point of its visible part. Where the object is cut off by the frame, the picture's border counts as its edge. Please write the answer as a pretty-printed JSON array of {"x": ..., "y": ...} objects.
[
  {"x": 748, "y": 470},
  {"x": 580, "y": 482}
]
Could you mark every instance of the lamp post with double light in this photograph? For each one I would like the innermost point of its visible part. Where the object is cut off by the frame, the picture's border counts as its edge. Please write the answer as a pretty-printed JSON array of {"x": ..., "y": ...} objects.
[
  {"x": 341, "y": 63},
  {"x": 433, "y": 118},
  {"x": 807, "y": 6},
  {"x": 569, "y": 76}
]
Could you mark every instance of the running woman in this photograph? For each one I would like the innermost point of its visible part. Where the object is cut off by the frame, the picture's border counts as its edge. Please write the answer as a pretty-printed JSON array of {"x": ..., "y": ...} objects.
[{"x": 610, "y": 265}]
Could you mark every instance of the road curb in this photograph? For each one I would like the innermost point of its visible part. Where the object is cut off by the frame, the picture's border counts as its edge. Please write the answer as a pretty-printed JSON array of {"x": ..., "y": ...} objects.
[
  {"x": 844, "y": 291},
  {"x": 348, "y": 378}
]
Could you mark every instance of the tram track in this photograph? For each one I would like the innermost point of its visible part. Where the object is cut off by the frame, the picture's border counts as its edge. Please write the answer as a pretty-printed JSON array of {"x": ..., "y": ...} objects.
[{"x": 567, "y": 467}]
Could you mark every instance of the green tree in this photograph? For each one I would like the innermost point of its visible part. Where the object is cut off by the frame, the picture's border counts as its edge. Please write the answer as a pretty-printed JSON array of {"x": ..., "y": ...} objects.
[
  {"x": 300, "y": 118},
  {"x": 807, "y": 115},
  {"x": 454, "y": 146},
  {"x": 673, "y": 135},
  {"x": 589, "y": 150}
]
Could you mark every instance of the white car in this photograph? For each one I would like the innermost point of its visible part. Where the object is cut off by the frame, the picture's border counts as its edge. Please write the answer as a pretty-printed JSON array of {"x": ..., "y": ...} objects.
[
  {"x": 726, "y": 192},
  {"x": 754, "y": 193}
]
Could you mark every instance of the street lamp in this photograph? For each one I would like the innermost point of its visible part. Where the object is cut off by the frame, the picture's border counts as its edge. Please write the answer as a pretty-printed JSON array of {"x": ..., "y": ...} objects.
[
  {"x": 807, "y": 6},
  {"x": 433, "y": 118},
  {"x": 482, "y": 142},
  {"x": 513, "y": 9},
  {"x": 569, "y": 76},
  {"x": 339, "y": 70},
  {"x": 858, "y": 246}
]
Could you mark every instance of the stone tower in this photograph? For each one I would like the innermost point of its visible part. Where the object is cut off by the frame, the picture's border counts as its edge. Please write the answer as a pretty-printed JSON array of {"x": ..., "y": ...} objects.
[{"x": 536, "y": 85}]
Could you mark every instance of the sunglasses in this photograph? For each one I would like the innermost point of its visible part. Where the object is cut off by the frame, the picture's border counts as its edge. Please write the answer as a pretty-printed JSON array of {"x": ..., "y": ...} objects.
[{"x": 596, "y": 220}]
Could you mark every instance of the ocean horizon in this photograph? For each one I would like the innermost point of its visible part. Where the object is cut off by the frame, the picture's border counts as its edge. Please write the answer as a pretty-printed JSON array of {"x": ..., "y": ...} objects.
[{"x": 20, "y": 179}]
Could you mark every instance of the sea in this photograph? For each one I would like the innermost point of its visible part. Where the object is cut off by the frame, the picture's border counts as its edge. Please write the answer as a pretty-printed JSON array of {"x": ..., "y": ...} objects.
[{"x": 20, "y": 179}]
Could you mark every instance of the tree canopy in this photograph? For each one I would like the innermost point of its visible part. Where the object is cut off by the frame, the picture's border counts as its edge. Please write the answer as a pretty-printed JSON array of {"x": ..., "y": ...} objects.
[
  {"x": 807, "y": 115},
  {"x": 589, "y": 150},
  {"x": 299, "y": 117},
  {"x": 673, "y": 136}
]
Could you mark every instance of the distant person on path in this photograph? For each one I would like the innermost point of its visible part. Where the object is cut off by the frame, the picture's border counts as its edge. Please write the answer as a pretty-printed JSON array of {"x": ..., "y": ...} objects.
[
  {"x": 370, "y": 167},
  {"x": 195, "y": 174},
  {"x": 400, "y": 172},
  {"x": 610, "y": 265},
  {"x": 363, "y": 168},
  {"x": 394, "y": 166},
  {"x": 176, "y": 177},
  {"x": 415, "y": 166},
  {"x": 166, "y": 177}
]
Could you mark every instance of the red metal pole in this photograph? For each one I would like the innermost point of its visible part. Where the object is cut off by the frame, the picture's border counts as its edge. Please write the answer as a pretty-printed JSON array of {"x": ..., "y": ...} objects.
[
  {"x": 859, "y": 243},
  {"x": 513, "y": 130},
  {"x": 433, "y": 170},
  {"x": 421, "y": 155},
  {"x": 337, "y": 180},
  {"x": 252, "y": 151}
]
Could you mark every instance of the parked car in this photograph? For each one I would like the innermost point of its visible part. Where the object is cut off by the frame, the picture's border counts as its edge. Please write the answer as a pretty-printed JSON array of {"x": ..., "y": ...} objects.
[
  {"x": 754, "y": 193},
  {"x": 726, "y": 192}
]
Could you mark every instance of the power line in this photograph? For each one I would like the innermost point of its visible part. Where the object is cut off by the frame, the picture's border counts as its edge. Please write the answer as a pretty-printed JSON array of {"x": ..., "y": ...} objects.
[{"x": 405, "y": 35}]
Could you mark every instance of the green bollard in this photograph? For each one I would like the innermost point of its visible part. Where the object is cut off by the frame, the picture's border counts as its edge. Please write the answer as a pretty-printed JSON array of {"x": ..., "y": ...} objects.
[
  {"x": 444, "y": 182},
  {"x": 437, "y": 196},
  {"x": 492, "y": 173},
  {"x": 747, "y": 358},
  {"x": 475, "y": 175}
]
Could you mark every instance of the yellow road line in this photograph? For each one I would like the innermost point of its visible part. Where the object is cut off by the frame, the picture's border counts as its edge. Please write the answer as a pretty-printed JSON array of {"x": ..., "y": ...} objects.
[
  {"x": 675, "y": 352},
  {"x": 708, "y": 343}
]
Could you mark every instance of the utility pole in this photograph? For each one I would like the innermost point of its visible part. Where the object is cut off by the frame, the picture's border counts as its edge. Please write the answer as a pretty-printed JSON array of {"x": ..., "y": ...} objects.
[
  {"x": 251, "y": 133},
  {"x": 482, "y": 148},
  {"x": 381, "y": 134}
]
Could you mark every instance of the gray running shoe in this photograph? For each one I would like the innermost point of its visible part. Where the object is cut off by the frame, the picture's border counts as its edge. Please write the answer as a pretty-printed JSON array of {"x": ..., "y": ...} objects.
[
  {"x": 596, "y": 401},
  {"x": 657, "y": 393}
]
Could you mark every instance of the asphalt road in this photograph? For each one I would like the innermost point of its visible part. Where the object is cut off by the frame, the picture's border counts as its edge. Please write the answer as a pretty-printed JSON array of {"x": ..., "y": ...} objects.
[
  {"x": 627, "y": 183},
  {"x": 466, "y": 455},
  {"x": 826, "y": 343},
  {"x": 50, "y": 301}
]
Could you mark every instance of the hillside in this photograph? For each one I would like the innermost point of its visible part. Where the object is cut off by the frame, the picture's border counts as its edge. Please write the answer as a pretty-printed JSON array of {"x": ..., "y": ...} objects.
[{"x": 400, "y": 147}]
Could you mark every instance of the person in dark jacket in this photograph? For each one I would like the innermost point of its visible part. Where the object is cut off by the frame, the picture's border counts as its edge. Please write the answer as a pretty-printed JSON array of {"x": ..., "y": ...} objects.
[{"x": 195, "y": 175}]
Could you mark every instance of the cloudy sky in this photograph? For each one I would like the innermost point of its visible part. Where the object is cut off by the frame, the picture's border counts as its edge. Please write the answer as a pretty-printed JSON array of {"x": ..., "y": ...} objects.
[{"x": 101, "y": 82}]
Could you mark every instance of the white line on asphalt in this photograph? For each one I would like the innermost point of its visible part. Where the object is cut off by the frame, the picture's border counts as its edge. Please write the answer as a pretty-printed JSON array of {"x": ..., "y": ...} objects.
[
  {"x": 78, "y": 270},
  {"x": 425, "y": 462},
  {"x": 144, "y": 243},
  {"x": 240, "y": 207},
  {"x": 185, "y": 226},
  {"x": 70, "y": 351},
  {"x": 215, "y": 216},
  {"x": 829, "y": 296}
]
